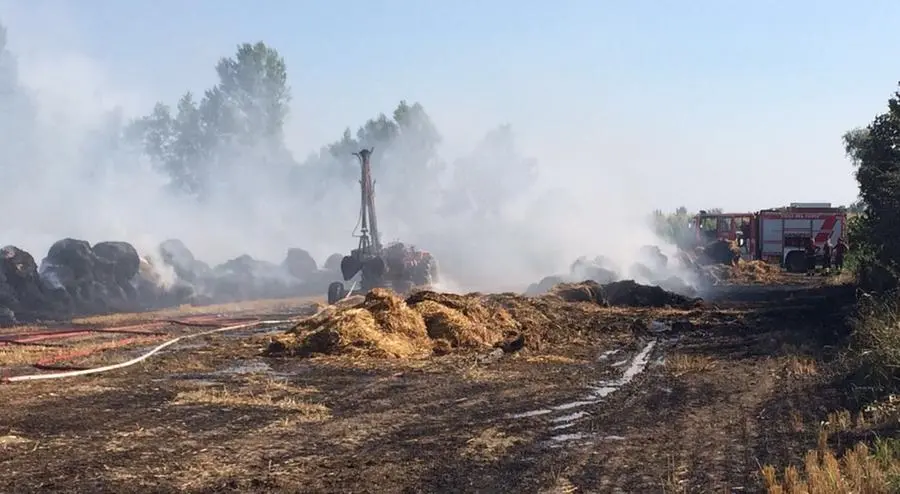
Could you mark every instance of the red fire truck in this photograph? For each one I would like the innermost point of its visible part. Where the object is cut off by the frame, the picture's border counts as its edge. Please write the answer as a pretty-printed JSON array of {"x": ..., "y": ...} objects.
[{"x": 774, "y": 235}]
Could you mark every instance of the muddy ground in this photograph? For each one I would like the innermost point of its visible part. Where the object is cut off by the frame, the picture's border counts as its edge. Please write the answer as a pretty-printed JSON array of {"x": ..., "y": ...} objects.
[{"x": 652, "y": 401}]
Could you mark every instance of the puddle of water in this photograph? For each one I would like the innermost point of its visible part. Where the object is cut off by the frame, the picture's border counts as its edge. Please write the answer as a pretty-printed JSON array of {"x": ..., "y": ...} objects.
[
  {"x": 570, "y": 417},
  {"x": 599, "y": 391},
  {"x": 569, "y": 437},
  {"x": 604, "y": 391},
  {"x": 251, "y": 367},
  {"x": 533, "y": 413},
  {"x": 659, "y": 327},
  {"x": 609, "y": 353},
  {"x": 562, "y": 426},
  {"x": 574, "y": 404}
]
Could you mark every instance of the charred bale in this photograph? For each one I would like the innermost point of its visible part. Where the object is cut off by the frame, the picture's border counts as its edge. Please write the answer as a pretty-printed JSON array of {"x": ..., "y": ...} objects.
[
  {"x": 333, "y": 263},
  {"x": 631, "y": 294},
  {"x": 722, "y": 252},
  {"x": 245, "y": 278},
  {"x": 585, "y": 291},
  {"x": 545, "y": 285},
  {"x": 125, "y": 263},
  {"x": 175, "y": 254},
  {"x": 596, "y": 270},
  {"x": 33, "y": 298},
  {"x": 94, "y": 283},
  {"x": 124, "y": 259},
  {"x": 299, "y": 263}
]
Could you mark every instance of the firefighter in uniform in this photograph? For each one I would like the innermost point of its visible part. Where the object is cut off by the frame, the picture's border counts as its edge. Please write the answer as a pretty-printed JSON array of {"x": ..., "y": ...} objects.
[
  {"x": 826, "y": 257},
  {"x": 810, "y": 257},
  {"x": 839, "y": 251}
]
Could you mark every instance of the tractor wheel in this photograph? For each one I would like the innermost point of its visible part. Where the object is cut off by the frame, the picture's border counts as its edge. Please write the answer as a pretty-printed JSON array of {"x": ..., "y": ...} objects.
[{"x": 336, "y": 292}]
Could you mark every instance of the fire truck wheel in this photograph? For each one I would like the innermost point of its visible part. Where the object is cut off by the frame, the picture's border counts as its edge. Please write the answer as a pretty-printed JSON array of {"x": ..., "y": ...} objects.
[{"x": 795, "y": 262}]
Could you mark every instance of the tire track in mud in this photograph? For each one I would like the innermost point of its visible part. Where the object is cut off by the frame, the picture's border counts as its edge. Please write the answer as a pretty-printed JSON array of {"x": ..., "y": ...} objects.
[{"x": 563, "y": 416}]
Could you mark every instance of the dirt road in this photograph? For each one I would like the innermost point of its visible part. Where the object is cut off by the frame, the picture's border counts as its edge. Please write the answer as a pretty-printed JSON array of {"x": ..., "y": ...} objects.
[{"x": 653, "y": 401}]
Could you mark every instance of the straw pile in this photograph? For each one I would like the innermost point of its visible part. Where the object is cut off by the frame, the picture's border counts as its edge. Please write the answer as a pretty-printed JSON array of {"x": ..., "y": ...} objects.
[
  {"x": 759, "y": 272},
  {"x": 384, "y": 325},
  {"x": 381, "y": 325}
]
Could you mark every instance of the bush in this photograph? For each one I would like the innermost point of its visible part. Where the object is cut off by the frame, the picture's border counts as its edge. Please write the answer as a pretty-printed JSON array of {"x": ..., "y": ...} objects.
[{"x": 876, "y": 339}]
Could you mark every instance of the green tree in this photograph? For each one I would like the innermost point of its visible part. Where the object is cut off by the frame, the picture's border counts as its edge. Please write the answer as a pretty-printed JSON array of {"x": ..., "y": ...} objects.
[
  {"x": 252, "y": 93},
  {"x": 875, "y": 152},
  {"x": 238, "y": 122}
]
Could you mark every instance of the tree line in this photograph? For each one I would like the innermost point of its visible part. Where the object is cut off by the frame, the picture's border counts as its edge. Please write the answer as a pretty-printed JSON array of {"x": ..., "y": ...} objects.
[{"x": 239, "y": 123}]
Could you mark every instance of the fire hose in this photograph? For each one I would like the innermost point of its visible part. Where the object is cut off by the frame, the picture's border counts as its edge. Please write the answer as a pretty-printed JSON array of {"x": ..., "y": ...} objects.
[
  {"x": 157, "y": 349},
  {"x": 141, "y": 358}
]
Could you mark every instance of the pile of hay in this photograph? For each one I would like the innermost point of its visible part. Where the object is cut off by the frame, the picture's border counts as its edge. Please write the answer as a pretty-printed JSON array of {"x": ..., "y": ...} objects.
[
  {"x": 381, "y": 325},
  {"x": 385, "y": 325},
  {"x": 755, "y": 272},
  {"x": 462, "y": 320}
]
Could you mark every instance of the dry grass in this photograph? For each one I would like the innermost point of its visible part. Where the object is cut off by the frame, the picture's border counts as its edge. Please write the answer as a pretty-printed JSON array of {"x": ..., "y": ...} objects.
[
  {"x": 261, "y": 394},
  {"x": 549, "y": 359},
  {"x": 681, "y": 364},
  {"x": 801, "y": 366},
  {"x": 234, "y": 308},
  {"x": 21, "y": 355},
  {"x": 491, "y": 444},
  {"x": 860, "y": 469},
  {"x": 755, "y": 272},
  {"x": 876, "y": 339}
]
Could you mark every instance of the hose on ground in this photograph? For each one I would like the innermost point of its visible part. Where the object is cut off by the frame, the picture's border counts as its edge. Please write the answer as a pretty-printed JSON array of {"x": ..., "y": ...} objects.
[
  {"x": 141, "y": 358},
  {"x": 158, "y": 348}
]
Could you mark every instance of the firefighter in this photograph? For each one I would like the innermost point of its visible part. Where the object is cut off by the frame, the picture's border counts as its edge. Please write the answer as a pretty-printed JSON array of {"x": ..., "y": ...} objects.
[
  {"x": 810, "y": 257},
  {"x": 839, "y": 250},
  {"x": 826, "y": 257},
  {"x": 745, "y": 235}
]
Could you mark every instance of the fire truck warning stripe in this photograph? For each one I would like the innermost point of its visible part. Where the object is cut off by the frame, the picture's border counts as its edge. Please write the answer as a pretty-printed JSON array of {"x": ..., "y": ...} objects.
[{"x": 826, "y": 229}]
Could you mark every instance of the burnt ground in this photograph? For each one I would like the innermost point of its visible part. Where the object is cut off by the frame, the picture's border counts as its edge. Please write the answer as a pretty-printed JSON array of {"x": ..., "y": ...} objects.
[{"x": 729, "y": 387}]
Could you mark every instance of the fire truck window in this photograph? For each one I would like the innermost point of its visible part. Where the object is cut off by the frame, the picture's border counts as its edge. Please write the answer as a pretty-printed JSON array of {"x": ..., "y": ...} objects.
[{"x": 723, "y": 225}]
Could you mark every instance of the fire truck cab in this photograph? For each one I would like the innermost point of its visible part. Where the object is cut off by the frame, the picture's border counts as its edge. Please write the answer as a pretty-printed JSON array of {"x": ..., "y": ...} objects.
[
  {"x": 737, "y": 227},
  {"x": 777, "y": 235}
]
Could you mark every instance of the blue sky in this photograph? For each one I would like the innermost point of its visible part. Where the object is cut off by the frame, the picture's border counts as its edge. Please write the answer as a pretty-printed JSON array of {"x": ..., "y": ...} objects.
[{"x": 703, "y": 103}]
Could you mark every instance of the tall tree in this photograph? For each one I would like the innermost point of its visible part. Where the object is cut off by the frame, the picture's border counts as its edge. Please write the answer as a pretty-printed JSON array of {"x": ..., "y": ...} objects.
[
  {"x": 238, "y": 124},
  {"x": 875, "y": 151},
  {"x": 253, "y": 89}
]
